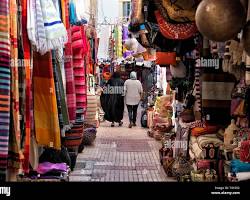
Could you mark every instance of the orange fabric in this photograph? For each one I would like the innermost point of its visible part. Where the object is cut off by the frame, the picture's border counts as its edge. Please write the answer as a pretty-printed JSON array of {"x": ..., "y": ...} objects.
[
  {"x": 63, "y": 7},
  {"x": 45, "y": 105},
  {"x": 197, "y": 131},
  {"x": 166, "y": 58}
]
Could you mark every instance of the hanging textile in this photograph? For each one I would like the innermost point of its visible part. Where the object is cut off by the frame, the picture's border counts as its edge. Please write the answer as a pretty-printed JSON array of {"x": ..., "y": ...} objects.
[
  {"x": 21, "y": 77},
  {"x": 45, "y": 106},
  {"x": 60, "y": 96},
  {"x": 63, "y": 8},
  {"x": 45, "y": 27},
  {"x": 14, "y": 140},
  {"x": 79, "y": 45},
  {"x": 27, "y": 57},
  {"x": 4, "y": 86},
  {"x": 68, "y": 65}
]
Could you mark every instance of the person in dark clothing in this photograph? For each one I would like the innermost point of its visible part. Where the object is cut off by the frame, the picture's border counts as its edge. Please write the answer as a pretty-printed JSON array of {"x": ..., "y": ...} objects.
[{"x": 112, "y": 100}]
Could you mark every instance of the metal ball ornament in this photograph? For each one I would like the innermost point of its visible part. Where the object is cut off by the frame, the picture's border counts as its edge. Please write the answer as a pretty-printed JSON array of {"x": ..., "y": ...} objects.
[{"x": 220, "y": 20}]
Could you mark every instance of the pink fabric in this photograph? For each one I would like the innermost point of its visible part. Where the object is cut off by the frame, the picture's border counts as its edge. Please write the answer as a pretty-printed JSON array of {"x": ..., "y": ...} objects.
[{"x": 46, "y": 167}]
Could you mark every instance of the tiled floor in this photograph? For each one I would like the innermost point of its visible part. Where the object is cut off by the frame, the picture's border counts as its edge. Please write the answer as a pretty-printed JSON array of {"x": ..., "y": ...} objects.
[{"x": 120, "y": 154}]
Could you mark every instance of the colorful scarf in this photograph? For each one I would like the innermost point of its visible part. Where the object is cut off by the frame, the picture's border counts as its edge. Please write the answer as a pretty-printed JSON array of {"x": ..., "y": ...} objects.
[
  {"x": 5, "y": 86},
  {"x": 14, "y": 143},
  {"x": 45, "y": 106}
]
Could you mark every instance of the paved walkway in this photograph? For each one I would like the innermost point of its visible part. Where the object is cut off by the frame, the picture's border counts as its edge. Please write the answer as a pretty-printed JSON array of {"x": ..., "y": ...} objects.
[{"x": 120, "y": 154}]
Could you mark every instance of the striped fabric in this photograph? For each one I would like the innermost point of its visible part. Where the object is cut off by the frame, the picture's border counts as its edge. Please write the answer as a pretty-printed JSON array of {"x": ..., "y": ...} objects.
[
  {"x": 79, "y": 67},
  {"x": 5, "y": 86},
  {"x": 14, "y": 144},
  {"x": 70, "y": 83},
  {"x": 197, "y": 85}
]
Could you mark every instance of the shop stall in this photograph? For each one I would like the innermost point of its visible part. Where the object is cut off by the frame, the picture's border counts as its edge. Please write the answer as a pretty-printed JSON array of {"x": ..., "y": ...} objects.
[
  {"x": 48, "y": 105},
  {"x": 200, "y": 112}
]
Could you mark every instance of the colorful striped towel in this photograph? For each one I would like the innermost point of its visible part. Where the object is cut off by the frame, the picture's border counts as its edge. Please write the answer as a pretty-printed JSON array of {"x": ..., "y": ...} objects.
[{"x": 4, "y": 86}]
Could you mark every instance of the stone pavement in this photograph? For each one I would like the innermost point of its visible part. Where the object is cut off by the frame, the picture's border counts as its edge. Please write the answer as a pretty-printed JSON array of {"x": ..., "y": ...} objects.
[{"x": 120, "y": 154}]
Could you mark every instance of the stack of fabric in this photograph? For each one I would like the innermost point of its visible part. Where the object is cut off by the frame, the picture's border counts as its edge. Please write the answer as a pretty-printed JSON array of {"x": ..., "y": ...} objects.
[
  {"x": 239, "y": 171},
  {"x": 200, "y": 138},
  {"x": 160, "y": 121}
]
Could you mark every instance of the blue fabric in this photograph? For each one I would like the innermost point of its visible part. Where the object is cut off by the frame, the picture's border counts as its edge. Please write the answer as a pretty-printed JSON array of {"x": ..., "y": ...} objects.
[
  {"x": 238, "y": 166},
  {"x": 72, "y": 13},
  {"x": 142, "y": 27}
]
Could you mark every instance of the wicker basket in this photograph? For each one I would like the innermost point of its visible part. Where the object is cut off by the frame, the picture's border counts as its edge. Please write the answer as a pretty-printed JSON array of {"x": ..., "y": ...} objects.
[{"x": 168, "y": 165}]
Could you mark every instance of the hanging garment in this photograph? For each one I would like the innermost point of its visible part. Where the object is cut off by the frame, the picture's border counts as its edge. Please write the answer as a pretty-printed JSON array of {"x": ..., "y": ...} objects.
[
  {"x": 14, "y": 140},
  {"x": 44, "y": 25},
  {"x": 45, "y": 106},
  {"x": 60, "y": 96},
  {"x": 21, "y": 77},
  {"x": 81, "y": 11},
  {"x": 72, "y": 11},
  {"x": 56, "y": 33},
  {"x": 79, "y": 46},
  {"x": 70, "y": 83},
  {"x": 4, "y": 86},
  {"x": 27, "y": 57}
]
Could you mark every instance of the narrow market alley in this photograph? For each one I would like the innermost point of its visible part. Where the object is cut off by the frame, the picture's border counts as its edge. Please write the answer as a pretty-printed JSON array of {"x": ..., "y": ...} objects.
[{"x": 120, "y": 154}]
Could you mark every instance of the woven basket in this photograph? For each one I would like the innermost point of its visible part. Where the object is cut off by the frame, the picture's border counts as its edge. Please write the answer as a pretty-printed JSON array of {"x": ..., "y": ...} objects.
[
  {"x": 168, "y": 165},
  {"x": 89, "y": 136}
]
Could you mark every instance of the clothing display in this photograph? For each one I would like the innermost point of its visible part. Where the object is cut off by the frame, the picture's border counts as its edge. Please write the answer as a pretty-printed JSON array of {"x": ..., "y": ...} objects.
[
  {"x": 183, "y": 64},
  {"x": 204, "y": 116},
  {"x": 43, "y": 87}
]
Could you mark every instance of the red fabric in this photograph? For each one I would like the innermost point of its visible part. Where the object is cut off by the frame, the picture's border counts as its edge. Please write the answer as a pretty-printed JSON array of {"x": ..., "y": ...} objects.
[
  {"x": 175, "y": 31},
  {"x": 166, "y": 58},
  {"x": 245, "y": 151},
  {"x": 69, "y": 71},
  {"x": 79, "y": 53},
  {"x": 27, "y": 56}
]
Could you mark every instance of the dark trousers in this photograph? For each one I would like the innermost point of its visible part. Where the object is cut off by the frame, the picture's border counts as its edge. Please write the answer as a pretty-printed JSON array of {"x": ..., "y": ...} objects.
[{"x": 132, "y": 113}]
